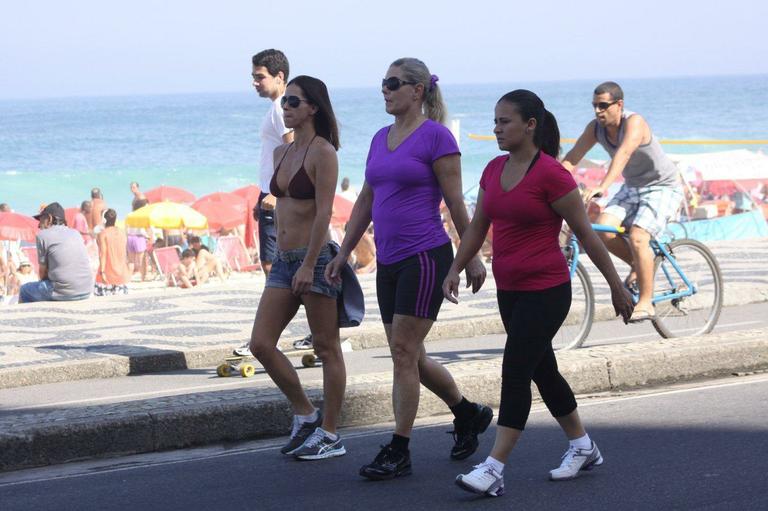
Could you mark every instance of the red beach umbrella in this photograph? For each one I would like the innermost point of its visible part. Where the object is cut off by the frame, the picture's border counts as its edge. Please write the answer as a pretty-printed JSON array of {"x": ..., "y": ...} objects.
[
  {"x": 230, "y": 199},
  {"x": 342, "y": 210},
  {"x": 70, "y": 214},
  {"x": 250, "y": 193},
  {"x": 169, "y": 193},
  {"x": 219, "y": 214},
  {"x": 14, "y": 226}
]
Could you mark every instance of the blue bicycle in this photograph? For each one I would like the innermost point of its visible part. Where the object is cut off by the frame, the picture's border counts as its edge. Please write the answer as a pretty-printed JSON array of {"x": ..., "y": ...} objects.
[{"x": 688, "y": 290}]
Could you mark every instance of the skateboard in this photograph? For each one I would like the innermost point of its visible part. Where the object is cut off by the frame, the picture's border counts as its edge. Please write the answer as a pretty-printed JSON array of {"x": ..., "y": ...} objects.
[{"x": 243, "y": 365}]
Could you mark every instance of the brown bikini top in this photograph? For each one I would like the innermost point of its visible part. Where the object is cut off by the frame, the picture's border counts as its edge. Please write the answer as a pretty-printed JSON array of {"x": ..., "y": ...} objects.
[{"x": 300, "y": 187}]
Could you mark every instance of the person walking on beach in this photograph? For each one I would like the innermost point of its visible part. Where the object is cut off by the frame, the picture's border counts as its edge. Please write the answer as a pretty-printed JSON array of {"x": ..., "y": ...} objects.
[
  {"x": 525, "y": 195},
  {"x": 113, "y": 275},
  {"x": 270, "y": 74},
  {"x": 304, "y": 183},
  {"x": 650, "y": 196},
  {"x": 412, "y": 165},
  {"x": 98, "y": 206}
]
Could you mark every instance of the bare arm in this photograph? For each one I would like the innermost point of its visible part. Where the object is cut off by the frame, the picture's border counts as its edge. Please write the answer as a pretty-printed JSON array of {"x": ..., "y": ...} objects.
[
  {"x": 326, "y": 174},
  {"x": 585, "y": 142},
  {"x": 448, "y": 172},
  {"x": 102, "y": 243},
  {"x": 633, "y": 137},
  {"x": 571, "y": 208},
  {"x": 474, "y": 236},
  {"x": 359, "y": 220}
]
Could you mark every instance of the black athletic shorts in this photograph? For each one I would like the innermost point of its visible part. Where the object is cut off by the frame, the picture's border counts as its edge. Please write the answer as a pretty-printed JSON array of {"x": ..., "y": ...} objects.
[{"x": 413, "y": 286}]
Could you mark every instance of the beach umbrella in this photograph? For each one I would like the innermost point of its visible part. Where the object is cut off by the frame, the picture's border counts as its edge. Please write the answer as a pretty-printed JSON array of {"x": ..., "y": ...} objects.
[
  {"x": 166, "y": 215},
  {"x": 250, "y": 193},
  {"x": 342, "y": 210},
  {"x": 230, "y": 199},
  {"x": 220, "y": 215},
  {"x": 70, "y": 214},
  {"x": 169, "y": 193},
  {"x": 14, "y": 226}
]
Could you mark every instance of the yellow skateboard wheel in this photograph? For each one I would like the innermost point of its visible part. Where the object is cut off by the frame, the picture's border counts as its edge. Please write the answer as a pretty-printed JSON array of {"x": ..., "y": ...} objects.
[
  {"x": 221, "y": 370},
  {"x": 308, "y": 360},
  {"x": 247, "y": 370}
]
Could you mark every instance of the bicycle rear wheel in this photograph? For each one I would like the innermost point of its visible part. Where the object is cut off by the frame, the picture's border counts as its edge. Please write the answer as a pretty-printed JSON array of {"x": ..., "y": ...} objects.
[
  {"x": 691, "y": 315},
  {"x": 577, "y": 325}
]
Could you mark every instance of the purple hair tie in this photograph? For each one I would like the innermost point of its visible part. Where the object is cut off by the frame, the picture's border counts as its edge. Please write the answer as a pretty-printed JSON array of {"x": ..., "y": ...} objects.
[{"x": 433, "y": 82}]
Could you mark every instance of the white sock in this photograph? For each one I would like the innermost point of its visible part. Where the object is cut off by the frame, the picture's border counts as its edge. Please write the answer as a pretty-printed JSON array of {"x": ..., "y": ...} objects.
[
  {"x": 581, "y": 443},
  {"x": 332, "y": 436},
  {"x": 496, "y": 464},
  {"x": 312, "y": 417}
]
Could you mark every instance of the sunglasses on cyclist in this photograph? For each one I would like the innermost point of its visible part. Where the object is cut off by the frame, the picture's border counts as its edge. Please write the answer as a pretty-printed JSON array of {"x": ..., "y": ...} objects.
[
  {"x": 603, "y": 105},
  {"x": 393, "y": 83},
  {"x": 292, "y": 101}
]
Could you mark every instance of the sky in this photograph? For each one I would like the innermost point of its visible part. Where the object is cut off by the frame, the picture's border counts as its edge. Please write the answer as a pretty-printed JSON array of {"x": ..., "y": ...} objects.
[{"x": 95, "y": 48}]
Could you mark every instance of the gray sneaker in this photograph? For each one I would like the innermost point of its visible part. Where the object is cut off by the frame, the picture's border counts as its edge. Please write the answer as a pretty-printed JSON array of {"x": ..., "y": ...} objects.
[
  {"x": 319, "y": 446},
  {"x": 300, "y": 432},
  {"x": 243, "y": 351}
]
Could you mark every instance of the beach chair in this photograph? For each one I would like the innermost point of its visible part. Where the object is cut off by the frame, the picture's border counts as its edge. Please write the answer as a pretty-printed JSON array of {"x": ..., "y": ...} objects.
[
  {"x": 167, "y": 259},
  {"x": 232, "y": 250}
]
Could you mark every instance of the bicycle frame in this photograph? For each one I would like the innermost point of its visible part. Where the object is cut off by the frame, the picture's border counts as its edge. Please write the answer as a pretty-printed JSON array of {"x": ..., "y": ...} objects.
[{"x": 658, "y": 250}]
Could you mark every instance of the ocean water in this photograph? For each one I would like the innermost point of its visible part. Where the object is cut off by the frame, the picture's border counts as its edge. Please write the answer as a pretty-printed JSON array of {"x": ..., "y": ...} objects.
[{"x": 58, "y": 149}]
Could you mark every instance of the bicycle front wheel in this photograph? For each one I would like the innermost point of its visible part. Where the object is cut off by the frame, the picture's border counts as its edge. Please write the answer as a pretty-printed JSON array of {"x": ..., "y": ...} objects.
[
  {"x": 577, "y": 325},
  {"x": 690, "y": 315}
]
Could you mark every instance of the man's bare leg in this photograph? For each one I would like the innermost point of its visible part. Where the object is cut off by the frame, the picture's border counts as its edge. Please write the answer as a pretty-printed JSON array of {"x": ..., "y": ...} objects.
[{"x": 639, "y": 240}]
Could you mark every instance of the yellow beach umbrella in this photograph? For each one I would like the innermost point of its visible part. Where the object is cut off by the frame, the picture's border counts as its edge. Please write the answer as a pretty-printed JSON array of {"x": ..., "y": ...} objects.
[{"x": 166, "y": 215}]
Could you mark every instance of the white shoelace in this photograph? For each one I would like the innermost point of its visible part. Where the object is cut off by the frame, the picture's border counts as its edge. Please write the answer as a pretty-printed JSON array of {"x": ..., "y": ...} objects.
[
  {"x": 569, "y": 457},
  {"x": 296, "y": 426},
  {"x": 314, "y": 439}
]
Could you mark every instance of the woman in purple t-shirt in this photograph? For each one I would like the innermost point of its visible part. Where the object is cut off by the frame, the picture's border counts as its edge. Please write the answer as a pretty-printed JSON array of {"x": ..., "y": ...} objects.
[{"x": 412, "y": 165}]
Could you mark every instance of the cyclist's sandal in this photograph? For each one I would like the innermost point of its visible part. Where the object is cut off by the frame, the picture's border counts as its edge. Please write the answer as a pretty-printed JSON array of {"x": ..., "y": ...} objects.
[{"x": 639, "y": 315}]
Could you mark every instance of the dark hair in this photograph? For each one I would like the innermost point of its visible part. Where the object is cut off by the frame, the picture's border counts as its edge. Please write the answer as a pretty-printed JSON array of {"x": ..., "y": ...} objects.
[
  {"x": 529, "y": 105},
  {"x": 274, "y": 60},
  {"x": 194, "y": 239},
  {"x": 134, "y": 183},
  {"x": 96, "y": 193},
  {"x": 188, "y": 253},
  {"x": 4, "y": 207},
  {"x": 612, "y": 88},
  {"x": 110, "y": 217},
  {"x": 316, "y": 93},
  {"x": 85, "y": 204}
]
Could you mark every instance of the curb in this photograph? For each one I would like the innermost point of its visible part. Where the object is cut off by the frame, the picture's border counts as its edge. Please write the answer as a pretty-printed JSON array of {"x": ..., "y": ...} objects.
[
  {"x": 373, "y": 336},
  {"x": 46, "y": 441}
]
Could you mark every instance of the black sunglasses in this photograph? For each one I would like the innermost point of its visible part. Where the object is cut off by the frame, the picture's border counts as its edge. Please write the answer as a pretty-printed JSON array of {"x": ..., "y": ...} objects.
[
  {"x": 393, "y": 83},
  {"x": 603, "y": 105},
  {"x": 291, "y": 101}
]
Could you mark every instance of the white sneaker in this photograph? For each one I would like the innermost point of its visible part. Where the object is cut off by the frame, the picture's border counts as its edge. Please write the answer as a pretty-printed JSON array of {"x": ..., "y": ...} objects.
[
  {"x": 484, "y": 480},
  {"x": 243, "y": 351},
  {"x": 575, "y": 460}
]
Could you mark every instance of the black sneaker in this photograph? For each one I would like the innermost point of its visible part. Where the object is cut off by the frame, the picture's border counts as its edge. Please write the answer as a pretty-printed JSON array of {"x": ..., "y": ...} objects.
[
  {"x": 300, "y": 432},
  {"x": 465, "y": 432},
  {"x": 389, "y": 463}
]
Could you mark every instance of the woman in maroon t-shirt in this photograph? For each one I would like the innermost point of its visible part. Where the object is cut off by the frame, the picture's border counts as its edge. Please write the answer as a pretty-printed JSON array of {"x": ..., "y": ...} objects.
[{"x": 526, "y": 195}]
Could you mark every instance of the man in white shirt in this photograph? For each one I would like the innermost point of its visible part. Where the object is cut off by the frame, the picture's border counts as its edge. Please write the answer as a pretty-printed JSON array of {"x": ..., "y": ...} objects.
[{"x": 270, "y": 75}]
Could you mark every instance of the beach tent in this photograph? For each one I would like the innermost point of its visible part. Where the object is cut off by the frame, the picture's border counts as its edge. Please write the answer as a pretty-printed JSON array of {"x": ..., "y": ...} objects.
[{"x": 724, "y": 172}]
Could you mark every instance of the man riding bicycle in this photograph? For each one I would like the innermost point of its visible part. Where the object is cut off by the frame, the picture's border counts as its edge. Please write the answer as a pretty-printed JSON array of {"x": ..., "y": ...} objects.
[{"x": 650, "y": 196}]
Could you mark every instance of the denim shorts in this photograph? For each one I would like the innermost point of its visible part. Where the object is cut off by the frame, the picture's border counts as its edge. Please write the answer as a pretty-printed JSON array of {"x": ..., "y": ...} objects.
[{"x": 288, "y": 262}]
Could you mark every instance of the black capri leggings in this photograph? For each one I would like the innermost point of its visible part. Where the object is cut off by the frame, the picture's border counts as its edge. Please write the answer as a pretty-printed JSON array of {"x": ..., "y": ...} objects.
[{"x": 531, "y": 319}]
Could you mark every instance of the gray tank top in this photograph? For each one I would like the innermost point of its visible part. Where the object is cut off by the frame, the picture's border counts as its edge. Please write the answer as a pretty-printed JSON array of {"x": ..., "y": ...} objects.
[{"x": 648, "y": 165}]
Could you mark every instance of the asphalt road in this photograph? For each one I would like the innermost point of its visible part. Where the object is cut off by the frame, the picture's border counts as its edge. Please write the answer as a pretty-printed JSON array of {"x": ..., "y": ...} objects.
[
  {"x": 693, "y": 446},
  {"x": 91, "y": 392}
]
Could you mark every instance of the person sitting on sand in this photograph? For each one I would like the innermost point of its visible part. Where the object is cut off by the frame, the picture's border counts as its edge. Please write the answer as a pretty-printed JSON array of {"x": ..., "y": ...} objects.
[
  {"x": 207, "y": 264},
  {"x": 186, "y": 274}
]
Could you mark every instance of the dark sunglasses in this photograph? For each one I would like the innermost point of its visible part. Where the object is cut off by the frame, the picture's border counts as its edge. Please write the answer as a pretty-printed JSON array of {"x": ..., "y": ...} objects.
[
  {"x": 393, "y": 83},
  {"x": 291, "y": 101},
  {"x": 603, "y": 105}
]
